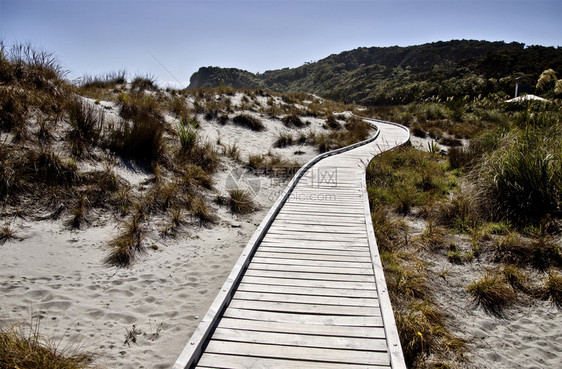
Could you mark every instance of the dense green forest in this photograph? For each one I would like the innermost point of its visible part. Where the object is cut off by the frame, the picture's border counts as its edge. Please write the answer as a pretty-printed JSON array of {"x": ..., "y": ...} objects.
[{"x": 399, "y": 75}]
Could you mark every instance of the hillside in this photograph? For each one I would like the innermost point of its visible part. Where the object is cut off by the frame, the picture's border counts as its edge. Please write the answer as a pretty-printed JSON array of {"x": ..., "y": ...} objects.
[{"x": 398, "y": 75}]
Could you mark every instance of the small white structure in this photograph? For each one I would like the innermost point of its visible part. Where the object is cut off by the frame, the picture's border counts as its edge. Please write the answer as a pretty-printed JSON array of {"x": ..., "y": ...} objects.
[{"x": 526, "y": 98}]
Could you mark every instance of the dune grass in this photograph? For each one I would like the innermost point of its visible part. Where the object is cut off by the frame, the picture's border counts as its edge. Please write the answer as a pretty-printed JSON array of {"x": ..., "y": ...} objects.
[
  {"x": 240, "y": 202},
  {"x": 248, "y": 121},
  {"x": 492, "y": 293},
  {"x": 22, "y": 346}
]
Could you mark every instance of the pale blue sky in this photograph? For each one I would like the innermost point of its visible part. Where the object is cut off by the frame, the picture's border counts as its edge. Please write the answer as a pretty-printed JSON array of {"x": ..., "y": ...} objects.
[{"x": 96, "y": 37}]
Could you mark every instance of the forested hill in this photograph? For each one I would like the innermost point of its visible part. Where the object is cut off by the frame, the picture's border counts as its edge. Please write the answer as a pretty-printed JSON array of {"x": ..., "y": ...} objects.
[{"x": 395, "y": 75}]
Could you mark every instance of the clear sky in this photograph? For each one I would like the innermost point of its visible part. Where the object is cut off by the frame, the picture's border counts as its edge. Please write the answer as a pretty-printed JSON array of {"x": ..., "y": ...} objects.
[{"x": 171, "y": 39}]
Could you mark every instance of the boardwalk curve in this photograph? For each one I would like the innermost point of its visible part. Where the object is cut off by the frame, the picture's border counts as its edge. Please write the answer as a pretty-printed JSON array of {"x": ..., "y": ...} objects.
[{"x": 308, "y": 291}]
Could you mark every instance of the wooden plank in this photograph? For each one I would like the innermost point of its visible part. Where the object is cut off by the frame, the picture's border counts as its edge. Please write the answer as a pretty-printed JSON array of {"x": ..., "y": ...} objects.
[
  {"x": 250, "y": 362},
  {"x": 271, "y": 240},
  {"x": 314, "y": 251},
  {"x": 326, "y": 320},
  {"x": 309, "y": 283},
  {"x": 299, "y": 353},
  {"x": 314, "y": 291},
  {"x": 299, "y": 340},
  {"x": 318, "y": 276},
  {"x": 289, "y": 307},
  {"x": 307, "y": 299},
  {"x": 325, "y": 264},
  {"x": 317, "y": 257},
  {"x": 311, "y": 269},
  {"x": 313, "y": 329}
]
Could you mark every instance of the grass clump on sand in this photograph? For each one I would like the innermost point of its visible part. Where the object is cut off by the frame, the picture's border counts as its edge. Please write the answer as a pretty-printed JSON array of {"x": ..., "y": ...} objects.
[
  {"x": 553, "y": 288},
  {"x": 86, "y": 123},
  {"x": 240, "y": 202},
  {"x": 139, "y": 135},
  {"x": 492, "y": 293},
  {"x": 129, "y": 243},
  {"x": 405, "y": 177},
  {"x": 22, "y": 346},
  {"x": 248, "y": 121},
  {"x": 521, "y": 180}
]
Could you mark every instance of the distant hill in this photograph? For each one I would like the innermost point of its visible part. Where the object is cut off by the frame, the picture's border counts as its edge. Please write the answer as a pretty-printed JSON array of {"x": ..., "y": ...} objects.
[{"x": 396, "y": 75}]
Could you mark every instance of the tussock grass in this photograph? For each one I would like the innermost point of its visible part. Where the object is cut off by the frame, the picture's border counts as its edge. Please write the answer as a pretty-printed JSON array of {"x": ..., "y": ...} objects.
[
  {"x": 47, "y": 167},
  {"x": 22, "y": 346},
  {"x": 126, "y": 246},
  {"x": 273, "y": 165},
  {"x": 283, "y": 139},
  {"x": 86, "y": 123},
  {"x": 248, "y": 121},
  {"x": 187, "y": 134},
  {"x": 240, "y": 202},
  {"x": 232, "y": 151},
  {"x": 79, "y": 211},
  {"x": 492, "y": 293},
  {"x": 7, "y": 233},
  {"x": 405, "y": 178},
  {"x": 141, "y": 83},
  {"x": 521, "y": 180},
  {"x": 458, "y": 214},
  {"x": 553, "y": 288},
  {"x": 201, "y": 211},
  {"x": 293, "y": 121},
  {"x": 108, "y": 81}
]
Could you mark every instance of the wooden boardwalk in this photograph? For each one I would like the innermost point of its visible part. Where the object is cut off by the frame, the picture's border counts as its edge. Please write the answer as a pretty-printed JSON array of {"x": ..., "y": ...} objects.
[{"x": 308, "y": 290}]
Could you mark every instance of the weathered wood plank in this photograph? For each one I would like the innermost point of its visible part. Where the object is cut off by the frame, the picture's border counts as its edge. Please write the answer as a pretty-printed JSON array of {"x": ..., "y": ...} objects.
[
  {"x": 299, "y": 353},
  {"x": 313, "y": 329},
  {"x": 315, "y": 291},
  {"x": 299, "y": 340},
  {"x": 252, "y": 271},
  {"x": 317, "y": 257},
  {"x": 325, "y": 264},
  {"x": 312, "y": 269},
  {"x": 251, "y": 362},
  {"x": 327, "y": 320},
  {"x": 290, "y": 307},
  {"x": 307, "y": 299},
  {"x": 314, "y": 251},
  {"x": 309, "y": 283}
]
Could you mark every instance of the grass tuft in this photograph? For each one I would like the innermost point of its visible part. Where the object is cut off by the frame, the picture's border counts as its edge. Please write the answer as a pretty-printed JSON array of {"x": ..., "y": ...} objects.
[
  {"x": 248, "y": 121},
  {"x": 22, "y": 346},
  {"x": 240, "y": 202},
  {"x": 553, "y": 288},
  {"x": 491, "y": 293},
  {"x": 86, "y": 123},
  {"x": 129, "y": 243}
]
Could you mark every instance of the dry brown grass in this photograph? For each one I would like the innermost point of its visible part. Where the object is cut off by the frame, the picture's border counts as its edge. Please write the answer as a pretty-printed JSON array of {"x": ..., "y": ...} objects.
[
  {"x": 23, "y": 347},
  {"x": 492, "y": 293}
]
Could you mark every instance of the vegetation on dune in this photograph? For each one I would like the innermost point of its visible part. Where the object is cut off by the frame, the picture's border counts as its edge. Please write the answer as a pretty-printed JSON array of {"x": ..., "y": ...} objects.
[
  {"x": 23, "y": 346},
  {"x": 401, "y": 75}
]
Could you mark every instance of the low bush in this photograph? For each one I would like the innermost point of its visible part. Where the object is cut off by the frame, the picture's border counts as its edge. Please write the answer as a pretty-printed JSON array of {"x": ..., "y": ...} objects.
[
  {"x": 248, "y": 121},
  {"x": 293, "y": 121}
]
